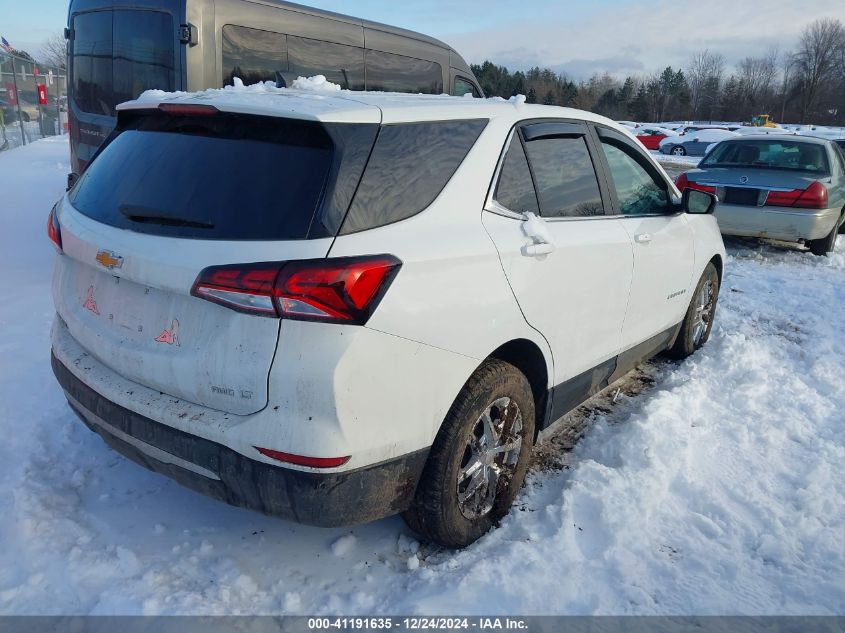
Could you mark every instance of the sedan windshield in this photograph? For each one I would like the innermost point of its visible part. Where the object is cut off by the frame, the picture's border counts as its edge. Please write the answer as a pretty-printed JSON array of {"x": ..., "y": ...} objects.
[{"x": 769, "y": 154}]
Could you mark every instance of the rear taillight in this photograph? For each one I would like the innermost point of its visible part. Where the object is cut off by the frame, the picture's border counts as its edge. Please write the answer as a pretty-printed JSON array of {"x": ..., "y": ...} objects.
[
  {"x": 54, "y": 231},
  {"x": 684, "y": 183},
  {"x": 302, "y": 460},
  {"x": 813, "y": 197},
  {"x": 340, "y": 290}
]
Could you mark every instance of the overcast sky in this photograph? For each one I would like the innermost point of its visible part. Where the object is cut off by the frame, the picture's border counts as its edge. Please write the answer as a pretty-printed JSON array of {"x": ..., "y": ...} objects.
[{"x": 579, "y": 37}]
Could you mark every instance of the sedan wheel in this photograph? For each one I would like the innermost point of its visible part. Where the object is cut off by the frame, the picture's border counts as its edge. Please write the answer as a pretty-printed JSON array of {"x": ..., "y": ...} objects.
[{"x": 678, "y": 150}]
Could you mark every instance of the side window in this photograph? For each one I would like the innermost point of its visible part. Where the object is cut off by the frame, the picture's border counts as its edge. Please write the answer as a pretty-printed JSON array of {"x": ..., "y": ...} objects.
[
  {"x": 398, "y": 73},
  {"x": 637, "y": 192},
  {"x": 464, "y": 87},
  {"x": 565, "y": 177},
  {"x": 252, "y": 55},
  {"x": 341, "y": 64},
  {"x": 408, "y": 168},
  {"x": 515, "y": 190}
]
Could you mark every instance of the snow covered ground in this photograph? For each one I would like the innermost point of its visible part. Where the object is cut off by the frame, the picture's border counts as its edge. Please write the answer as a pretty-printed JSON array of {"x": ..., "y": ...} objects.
[{"x": 717, "y": 489}]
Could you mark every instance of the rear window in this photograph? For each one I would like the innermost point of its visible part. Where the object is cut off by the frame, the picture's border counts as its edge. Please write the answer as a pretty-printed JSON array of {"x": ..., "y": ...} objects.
[
  {"x": 769, "y": 154},
  {"x": 219, "y": 177},
  {"x": 116, "y": 55}
]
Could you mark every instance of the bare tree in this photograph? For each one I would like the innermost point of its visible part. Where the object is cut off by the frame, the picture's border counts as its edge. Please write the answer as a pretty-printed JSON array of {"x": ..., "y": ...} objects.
[
  {"x": 818, "y": 52},
  {"x": 787, "y": 67},
  {"x": 756, "y": 77},
  {"x": 704, "y": 76},
  {"x": 54, "y": 51}
]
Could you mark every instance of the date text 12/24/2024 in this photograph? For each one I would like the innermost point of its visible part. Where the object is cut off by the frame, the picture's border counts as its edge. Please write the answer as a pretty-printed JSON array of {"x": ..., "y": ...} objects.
[{"x": 417, "y": 624}]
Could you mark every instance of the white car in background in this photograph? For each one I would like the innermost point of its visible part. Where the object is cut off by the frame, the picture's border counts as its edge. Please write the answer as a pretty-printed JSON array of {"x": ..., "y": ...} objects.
[{"x": 340, "y": 308}]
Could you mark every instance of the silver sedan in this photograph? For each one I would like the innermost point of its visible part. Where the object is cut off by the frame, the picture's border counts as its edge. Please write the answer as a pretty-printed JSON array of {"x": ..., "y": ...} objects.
[{"x": 781, "y": 187}]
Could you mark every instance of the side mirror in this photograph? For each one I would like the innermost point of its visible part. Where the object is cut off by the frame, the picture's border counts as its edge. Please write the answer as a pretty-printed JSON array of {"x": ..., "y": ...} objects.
[{"x": 698, "y": 202}]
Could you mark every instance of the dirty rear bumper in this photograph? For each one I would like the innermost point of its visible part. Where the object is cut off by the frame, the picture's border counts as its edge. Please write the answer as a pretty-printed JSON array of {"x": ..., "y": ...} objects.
[
  {"x": 313, "y": 498},
  {"x": 779, "y": 223}
]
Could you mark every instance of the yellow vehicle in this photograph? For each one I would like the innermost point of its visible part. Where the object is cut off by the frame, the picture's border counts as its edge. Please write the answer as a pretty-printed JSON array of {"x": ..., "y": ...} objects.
[{"x": 762, "y": 120}]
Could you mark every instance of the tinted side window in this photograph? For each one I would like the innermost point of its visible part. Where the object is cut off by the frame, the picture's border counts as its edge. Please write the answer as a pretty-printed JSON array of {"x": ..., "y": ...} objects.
[
  {"x": 341, "y": 64},
  {"x": 464, "y": 87},
  {"x": 409, "y": 166},
  {"x": 397, "y": 73},
  {"x": 565, "y": 177},
  {"x": 515, "y": 190},
  {"x": 637, "y": 192},
  {"x": 252, "y": 55}
]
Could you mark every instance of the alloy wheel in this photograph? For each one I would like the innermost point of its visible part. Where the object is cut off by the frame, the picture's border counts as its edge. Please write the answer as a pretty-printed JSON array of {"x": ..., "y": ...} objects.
[
  {"x": 490, "y": 457},
  {"x": 703, "y": 312}
]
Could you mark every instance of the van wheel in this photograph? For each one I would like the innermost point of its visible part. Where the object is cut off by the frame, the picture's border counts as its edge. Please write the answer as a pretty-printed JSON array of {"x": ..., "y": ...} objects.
[
  {"x": 824, "y": 245},
  {"x": 698, "y": 322},
  {"x": 479, "y": 458}
]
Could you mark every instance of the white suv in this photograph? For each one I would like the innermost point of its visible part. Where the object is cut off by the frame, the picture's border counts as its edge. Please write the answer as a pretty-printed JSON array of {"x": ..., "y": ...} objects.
[{"x": 333, "y": 308}]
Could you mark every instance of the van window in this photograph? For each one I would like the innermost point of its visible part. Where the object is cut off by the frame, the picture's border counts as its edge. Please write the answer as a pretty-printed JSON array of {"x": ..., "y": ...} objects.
[
  {"x": 464, "y": 87},
  {"x": 515, "y": 190},
  {"x": 341, "y": 64},
  {"x": 409, "y": 166},
  {"x": 565, "y": 177},
  {"x": 398, "y": 73},
  {"x": 252, "y": 55},
  {"x": 116, "y": 55}
]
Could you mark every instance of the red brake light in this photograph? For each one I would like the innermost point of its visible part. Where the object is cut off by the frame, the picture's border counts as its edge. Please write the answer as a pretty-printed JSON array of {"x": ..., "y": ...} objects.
[
  {"x": 54, "y": 231},
  {"x": 301, "y": 460},
  {"x": 814, "y": 197},
  {"x": 341, "y": 290},
  {"x": 188, "y": 109},
  {"x": 684, "y": 183}
]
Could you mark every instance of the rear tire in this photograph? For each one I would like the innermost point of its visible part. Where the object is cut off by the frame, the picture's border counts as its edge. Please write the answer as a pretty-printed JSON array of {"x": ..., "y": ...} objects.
[
  {"x": 825, "y": 245},
  {"x": 479, "y": 458},
  {"x": 679, "y": 150},
  {"x": 698, "y": 322}
]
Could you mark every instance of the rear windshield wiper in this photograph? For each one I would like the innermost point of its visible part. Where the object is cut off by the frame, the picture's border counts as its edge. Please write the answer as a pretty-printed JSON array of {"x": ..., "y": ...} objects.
[{"x": 145, "y": 215}]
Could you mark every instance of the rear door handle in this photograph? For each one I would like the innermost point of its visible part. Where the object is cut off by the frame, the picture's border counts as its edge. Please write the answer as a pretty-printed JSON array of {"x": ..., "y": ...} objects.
[
  {"x": 642, "y": 238},
  {"x": 535, "y": 250}
]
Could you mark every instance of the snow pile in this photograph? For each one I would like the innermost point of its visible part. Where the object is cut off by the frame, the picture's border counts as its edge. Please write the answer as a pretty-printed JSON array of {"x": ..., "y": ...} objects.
[
  {"x": 719, "y": 489},
  {"x": 318, "y": 83}
]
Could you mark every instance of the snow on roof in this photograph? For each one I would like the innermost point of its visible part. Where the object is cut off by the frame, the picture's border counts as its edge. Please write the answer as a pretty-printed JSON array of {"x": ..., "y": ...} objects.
[{"x": 315, "y": 98}]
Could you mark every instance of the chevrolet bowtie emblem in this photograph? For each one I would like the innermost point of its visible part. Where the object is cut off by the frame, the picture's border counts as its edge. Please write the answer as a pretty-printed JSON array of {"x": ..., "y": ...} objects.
[{"x": 109, "y": 259}]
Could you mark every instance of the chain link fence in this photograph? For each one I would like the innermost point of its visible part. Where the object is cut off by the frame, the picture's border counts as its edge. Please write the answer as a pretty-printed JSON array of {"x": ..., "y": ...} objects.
[{"x": 33, "y": 101}]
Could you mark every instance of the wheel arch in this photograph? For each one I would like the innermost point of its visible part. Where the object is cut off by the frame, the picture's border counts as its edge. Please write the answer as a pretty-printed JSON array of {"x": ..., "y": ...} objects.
[
  {"x": 528, "y": 358},
  {"x": 716, "y": 260}
]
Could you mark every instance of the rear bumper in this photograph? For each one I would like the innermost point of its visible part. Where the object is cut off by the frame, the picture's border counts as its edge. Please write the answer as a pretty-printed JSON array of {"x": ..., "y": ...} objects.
[
  {"x": 775, "y": 222},
  {"x": 321, "y": 499}
]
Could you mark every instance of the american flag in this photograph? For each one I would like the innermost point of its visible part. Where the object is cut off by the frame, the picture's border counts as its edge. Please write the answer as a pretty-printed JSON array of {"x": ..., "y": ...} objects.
[{"x": 6, "y": 46}]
